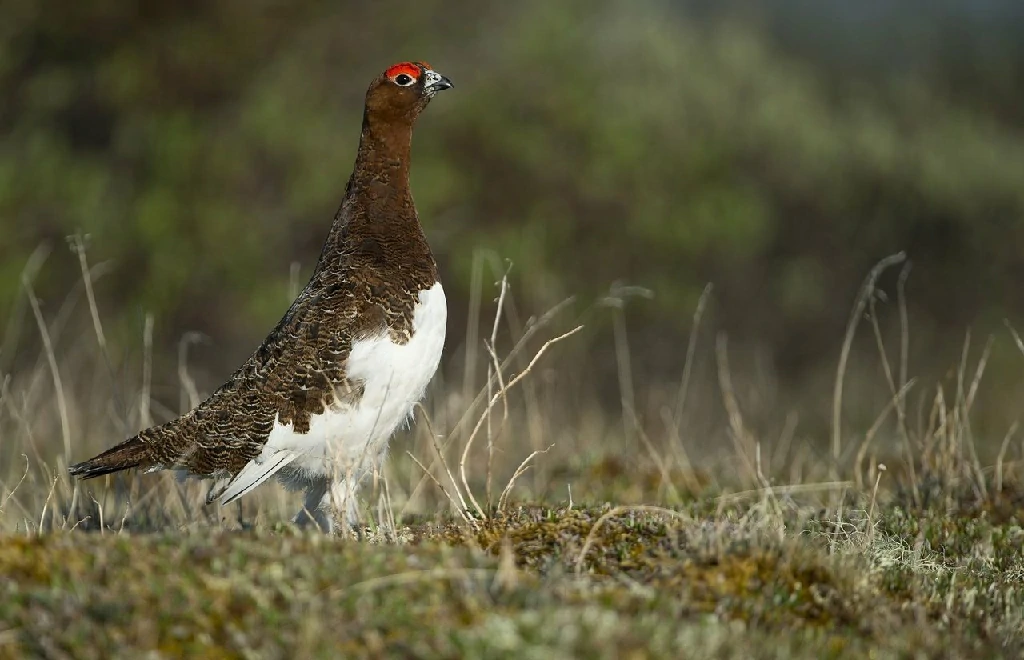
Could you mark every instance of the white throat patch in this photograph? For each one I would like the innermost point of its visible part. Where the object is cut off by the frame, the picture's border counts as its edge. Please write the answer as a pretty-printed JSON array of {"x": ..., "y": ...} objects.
[{"x": 430, "y": 77}]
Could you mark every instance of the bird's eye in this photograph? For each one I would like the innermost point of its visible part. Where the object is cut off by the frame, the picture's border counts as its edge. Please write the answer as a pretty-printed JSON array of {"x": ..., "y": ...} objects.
[{"x": 404, "y": 80}]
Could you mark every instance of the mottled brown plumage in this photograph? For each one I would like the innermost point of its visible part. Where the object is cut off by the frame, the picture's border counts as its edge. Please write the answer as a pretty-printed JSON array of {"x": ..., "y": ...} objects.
[{"x": 373, "y": 266}]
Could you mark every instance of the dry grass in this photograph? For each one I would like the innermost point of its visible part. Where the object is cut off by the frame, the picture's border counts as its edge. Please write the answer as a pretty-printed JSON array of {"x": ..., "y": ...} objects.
[{"x": 637, "y": 541}]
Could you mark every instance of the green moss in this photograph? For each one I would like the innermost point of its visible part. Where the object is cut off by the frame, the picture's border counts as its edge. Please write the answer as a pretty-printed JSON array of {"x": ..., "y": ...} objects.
[{"x": 733, "y": 581}]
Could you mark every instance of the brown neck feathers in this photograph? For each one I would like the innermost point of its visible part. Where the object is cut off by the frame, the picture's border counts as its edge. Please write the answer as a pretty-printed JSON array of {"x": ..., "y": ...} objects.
[
  {"x": 377, "y": 223},
  {"x": 384, "y": 155}
]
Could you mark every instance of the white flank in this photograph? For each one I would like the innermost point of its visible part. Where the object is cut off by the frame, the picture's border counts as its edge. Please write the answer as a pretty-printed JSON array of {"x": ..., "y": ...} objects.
[{"x": 346, "y": 440}]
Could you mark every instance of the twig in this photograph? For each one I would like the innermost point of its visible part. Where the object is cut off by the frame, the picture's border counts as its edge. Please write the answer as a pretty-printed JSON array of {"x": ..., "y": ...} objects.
[
  {"x": 78, "y": 247},
  {"x": 438, "y": 450},
  {"x": 786, "y": 490},
  {"x": 124, "y": 519},
  {"x": 46, "y": 504},
  {"x": 738, "y": 431},
  {"x": 100, "y": 510},
  {"x": 444, "y": 490},
  {"x": 147, "y": 372},
  {"x": 28, "y": 273},
  {"x": 51, "y": 358},
  {"x": 532, "y": 328},
  {"x": 691, "y": 350},
  {"x": 494, "y": 369},
  {"x": 908, "y": 448},
  {"x": 188, "y": 384},
  {"x": 901, "y": 298},
  {"x": 1016, "y": 337},
  {"x": 616, "y": 299},
  {"x": 873, "y": 430},
  {"x": 10, "y": 494},
  {"x": 659, "y": 461},
  {"x": 494, "y": 399},
  {"x": 867, "y": 289},
  {"x": 503, "y": 500},
  {"x": 472, "y": 323},
  {"x": 1002, "y": 456},
  {"x": 871, "y": 509}
]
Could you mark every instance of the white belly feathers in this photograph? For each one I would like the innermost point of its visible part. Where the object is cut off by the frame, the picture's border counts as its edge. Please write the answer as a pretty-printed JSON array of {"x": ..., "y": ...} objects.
[{"x": 347, "y": 438}]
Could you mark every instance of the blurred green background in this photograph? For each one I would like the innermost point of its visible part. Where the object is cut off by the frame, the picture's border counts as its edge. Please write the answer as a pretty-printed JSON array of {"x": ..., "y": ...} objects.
[{"x": 775, "y": 149}]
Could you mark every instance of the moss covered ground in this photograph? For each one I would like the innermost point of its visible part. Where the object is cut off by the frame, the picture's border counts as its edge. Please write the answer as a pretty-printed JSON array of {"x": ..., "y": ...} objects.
[{"x": 768, "y": 578}]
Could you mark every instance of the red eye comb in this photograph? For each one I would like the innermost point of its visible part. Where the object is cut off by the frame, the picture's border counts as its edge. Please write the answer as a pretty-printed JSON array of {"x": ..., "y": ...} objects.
[{"x": 408, "y": 68}]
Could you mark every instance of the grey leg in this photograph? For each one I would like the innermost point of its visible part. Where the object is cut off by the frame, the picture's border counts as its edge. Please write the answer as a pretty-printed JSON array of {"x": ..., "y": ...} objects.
[{"x": 312, "y": 508}]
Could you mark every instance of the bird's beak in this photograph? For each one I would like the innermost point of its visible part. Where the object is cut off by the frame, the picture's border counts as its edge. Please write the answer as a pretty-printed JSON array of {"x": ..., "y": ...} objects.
[{"x": 435, "y": 82}]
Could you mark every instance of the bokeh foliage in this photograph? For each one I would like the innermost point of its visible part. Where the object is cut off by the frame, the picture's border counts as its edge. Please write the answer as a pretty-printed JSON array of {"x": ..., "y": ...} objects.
[{"x": 773, "y": 149}]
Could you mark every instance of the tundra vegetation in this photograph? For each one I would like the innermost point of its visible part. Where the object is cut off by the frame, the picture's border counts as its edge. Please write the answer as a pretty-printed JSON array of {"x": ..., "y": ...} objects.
[
  {"x": 896, "y": 541},
  {"x": 815, "y": 457}
]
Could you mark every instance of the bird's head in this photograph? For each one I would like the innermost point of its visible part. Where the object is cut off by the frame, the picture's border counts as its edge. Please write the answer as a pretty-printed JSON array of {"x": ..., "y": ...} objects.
[{"x": 401, "y": 92}]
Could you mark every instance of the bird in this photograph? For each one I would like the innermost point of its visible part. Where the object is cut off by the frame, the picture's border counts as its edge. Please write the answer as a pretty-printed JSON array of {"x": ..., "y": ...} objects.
[{"x": 317, "y": 403}]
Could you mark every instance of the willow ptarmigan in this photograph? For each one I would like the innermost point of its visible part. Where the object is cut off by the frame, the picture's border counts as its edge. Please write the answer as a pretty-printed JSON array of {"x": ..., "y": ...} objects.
[{"x": 318, "y": 401}]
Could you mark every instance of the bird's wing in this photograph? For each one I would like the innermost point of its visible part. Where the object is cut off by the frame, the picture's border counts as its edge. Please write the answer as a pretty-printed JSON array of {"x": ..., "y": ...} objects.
[
  {"x": 297, "y": 373},
  {"x": 256, "y": 472}
]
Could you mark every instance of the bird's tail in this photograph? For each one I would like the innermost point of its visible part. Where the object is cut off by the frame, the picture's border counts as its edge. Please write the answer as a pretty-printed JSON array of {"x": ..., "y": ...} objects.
[{"x": 133, "y": 452}]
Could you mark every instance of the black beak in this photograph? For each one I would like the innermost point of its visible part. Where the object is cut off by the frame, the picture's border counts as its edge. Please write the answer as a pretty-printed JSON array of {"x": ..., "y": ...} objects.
[{"x": 440, "y": 84}]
